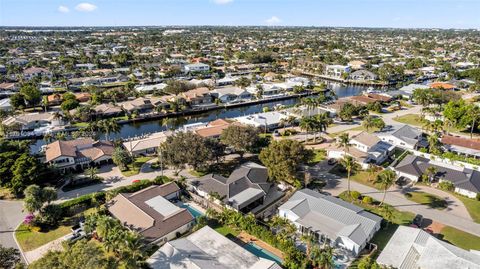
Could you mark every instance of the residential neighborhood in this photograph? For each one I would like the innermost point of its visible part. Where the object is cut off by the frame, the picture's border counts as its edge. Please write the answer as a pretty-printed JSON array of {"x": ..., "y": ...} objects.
[{"x": 229, "y": 142}]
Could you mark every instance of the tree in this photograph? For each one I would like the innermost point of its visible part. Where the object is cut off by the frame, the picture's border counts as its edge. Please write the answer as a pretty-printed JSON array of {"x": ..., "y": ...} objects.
[
  {"x": 241, "y": 138},
  {"x": 80, "y": 255},
  {"x": 17, "y": 101},
  {"x": 92, "y": 172},
  {"x": 344, "y": 142},
  {"x": 349, "y": 163},
  {"x": 25, "y": 171},
  {"x": 307, "y": 124},
  {"x": 368, "y": 122},
  {"x": 283, "y": 157},
  {"x": 9, "y": 257},
  {"x": 185, "y": 148},
  {"x": 387, "y": 213},
  {"x": 309, "y": 240},
  {"x": 431, "y": 172},
  {"x": 31, "y": 94},
  {"x": 347, "y": 112},
  {"x": 386, "y": 178},
  {"x": 367, "y": 263},
  {"x": 121, "y": 158},
  {"x": 434, "y": 144},
  {"x": 51, "y": 214}
]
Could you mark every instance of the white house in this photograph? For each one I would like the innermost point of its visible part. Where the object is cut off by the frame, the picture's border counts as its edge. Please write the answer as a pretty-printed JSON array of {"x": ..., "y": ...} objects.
[
  {"x": 331, "y": 220},
  {"x": 337, "y": 71},
  {"x": 196, "y": 67},
  {"x": 406, "y": 137},
  {"x": 268, "y": 120},
  {"x": 231, "y": 94}
]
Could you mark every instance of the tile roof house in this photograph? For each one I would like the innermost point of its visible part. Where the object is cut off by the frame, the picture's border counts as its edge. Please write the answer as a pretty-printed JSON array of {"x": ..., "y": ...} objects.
[
  {"x": 462, "y": 145},
  {"x": 246, "y": 189},
  {"x": 405, "y": 137},
  {"x": 78, "y": 153},
  {"x": 151, "y": 212},
  {"x": 32, "y": 72},
  {"x": 107, "y": 110},
  {"x": 414, "y": 248},
  {"x": 32, "y": 121},
  {"x": 147, "y": 144},
  {"x": 206, "y": 249},
  {"x": 213, "y": 129},
  {"x": 231, "y": 94},
  {"x": 198, "y": 96},
  {"x": 331, "y": 220},
  {"x": 465, "y": 180}
]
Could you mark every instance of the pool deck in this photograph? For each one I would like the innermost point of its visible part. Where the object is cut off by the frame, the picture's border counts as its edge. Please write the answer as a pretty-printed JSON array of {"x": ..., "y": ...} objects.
[{"x": 247, "y": 238}]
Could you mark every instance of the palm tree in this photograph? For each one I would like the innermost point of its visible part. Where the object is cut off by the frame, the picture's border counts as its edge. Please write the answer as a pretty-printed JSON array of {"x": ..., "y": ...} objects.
[
  {"x": 431, "y": 172},
  {"x": 91, "y": 172},
  {"x": 447, "y": 125},
  {"x": 474, "y": 114},
  {"x": 344, "y": 141},
  {"x": 368, "y": 122},
  {"x": 309, "y": 240},
  {"x": 326, "y": 258},
  {"x": 349, "y": 163},
  {"x": 307, "y": 124},
  {"x": 386, "y": 178},
  {"x": 387, "y": 213}
]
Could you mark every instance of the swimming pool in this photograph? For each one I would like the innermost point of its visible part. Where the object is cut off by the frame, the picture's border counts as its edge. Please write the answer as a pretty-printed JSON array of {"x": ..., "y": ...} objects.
[
  {"x": 192, "y": 210},
  {"x": 260, "y": 252}
]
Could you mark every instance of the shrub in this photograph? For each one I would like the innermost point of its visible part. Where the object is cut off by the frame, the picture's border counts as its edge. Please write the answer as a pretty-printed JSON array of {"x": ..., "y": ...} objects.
[
  {"x": 162, "y": 180},
  {"x": 478, "y": 196},
  {"x": 51, "y": 214},
  {"x": 87, "y": 201},
  {"x": 367, "y": 200},
  {"x": 446, "y": 185},
  {"x": 355, "y": 195}
]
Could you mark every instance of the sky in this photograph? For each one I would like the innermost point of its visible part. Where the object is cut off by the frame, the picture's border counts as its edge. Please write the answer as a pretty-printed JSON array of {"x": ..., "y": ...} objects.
[{"x": 344, "y": 13}]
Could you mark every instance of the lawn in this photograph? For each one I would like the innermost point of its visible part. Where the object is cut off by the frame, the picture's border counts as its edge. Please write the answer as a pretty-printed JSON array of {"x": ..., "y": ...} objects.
[
  {"x": 472, "y": 205},
  {"x": 319, "y": 155},
  {"x": 424, "y": 198},
  {"x": 30, "y": 240},
  {"x": 411, "y": 119},
  {"x": 134, "y": 167},
  {"x": 362, "y": 177},
  {"x": 460, "y": 239}
]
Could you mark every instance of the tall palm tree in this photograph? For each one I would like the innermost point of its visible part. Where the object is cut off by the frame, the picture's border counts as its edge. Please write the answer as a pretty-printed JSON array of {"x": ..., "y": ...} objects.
[
  {"x": 349, "y": 163},
  {"x": 431, "y": 172},
  {"x": 368, "y": 122},
  {"x": 343, "y": 141},
  {"x": 326, "y": 258},
  {"x": 474, "y": 113},
  {"x": 91, "y": 172},
  {"x": 386, "y": 178},
  {"x": 307, "y": 124},
  {"x": 387, "y": 211}
]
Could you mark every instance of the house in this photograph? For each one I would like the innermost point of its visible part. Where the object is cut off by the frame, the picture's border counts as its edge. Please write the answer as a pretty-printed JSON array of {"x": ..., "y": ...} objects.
[
  {"x": 405, "y": 137},
  {"x": 356, "y": 64},
  {"x": 337, "y": 71},
  {"x": 151, "y": 213},
  {"x": 247, "y": 189},
  {"x": 462, "y": 145},
  {"x": 79, "y": 153},
  {"x": 140, "y": 104},
  {"x": 268, "y": 120},
  {"x": 465, "y": 180},
  {"x": 213, "y": 129},
  {"x": 196, "y": 67},
  {"x": 18, "y": 62},
  {"x": 414, "y": 248},
  {"x": 107, "y": 110},
  {"x": 231, "y": 94},
  {"x": 32, "y": 121},
  {"x": 32, "y": 72},
  {"x": 442, "y": 86},
  {"x": 198, "y": 96},
  {"x": 9, "y": 87},
  {"x": 151, "y": 88},
  {"x": 206, "y": 249},
  {"x": 5, "y": 105},
  {"x": 331, "y": 220},
  {"x": 146, "y": 145},
  {"x": 362, "y": 75},
  {"x": 409, "y": 89},
  {"x": 366, "y": 149}
]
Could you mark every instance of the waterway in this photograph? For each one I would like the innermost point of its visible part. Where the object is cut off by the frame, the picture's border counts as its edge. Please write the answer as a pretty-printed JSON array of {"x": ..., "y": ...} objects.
[{"x": 142, "y": 128}]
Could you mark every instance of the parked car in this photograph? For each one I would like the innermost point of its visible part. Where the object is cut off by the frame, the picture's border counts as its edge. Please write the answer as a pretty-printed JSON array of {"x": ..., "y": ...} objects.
[
  {"x": 332, "y": 161},
  {"x": 418, "y": 220}
]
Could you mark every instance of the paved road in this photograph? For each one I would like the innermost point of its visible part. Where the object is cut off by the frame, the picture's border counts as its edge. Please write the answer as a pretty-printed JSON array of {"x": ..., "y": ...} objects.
[
  {"x": 10, "y": 216},
  {"x": 454, "y": 215}
]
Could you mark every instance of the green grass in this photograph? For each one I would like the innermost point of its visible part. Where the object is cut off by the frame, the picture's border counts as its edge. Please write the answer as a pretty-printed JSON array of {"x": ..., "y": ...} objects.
[
  {"x": 472, "y": 205},
  {"x": 357, "y": 128},
  {"x": 319, "y": 155},
  {"x": 410, "y": 119},
  {"x": 134, "y": 167},
  {"x": 362, "y": 177},
  {"x": 428, "y": 199},
  {"x": 460, "y": 239},
  {"x": 225, "y": 230},
  {"x": 196, "y": 173},
  {"x": 80, "y": 124},
  {"x": 30, "y": 240}
]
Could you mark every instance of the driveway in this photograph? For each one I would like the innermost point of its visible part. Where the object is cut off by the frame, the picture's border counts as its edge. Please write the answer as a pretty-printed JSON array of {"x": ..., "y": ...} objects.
[{"x": 455, "y": 215}]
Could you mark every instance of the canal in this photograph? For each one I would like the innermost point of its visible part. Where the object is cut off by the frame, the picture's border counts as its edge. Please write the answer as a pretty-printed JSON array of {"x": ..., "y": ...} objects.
[{"x": 142, "y": 128}]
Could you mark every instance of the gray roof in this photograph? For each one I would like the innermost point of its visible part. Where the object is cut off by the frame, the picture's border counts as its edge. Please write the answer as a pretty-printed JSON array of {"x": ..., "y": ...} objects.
[
  {"x": 332, "y": 216},
  {"x": 408, "y": 134},
  {"x": 414, "y": 248},
  {"x": 463, "y": 178},
  {"x": 206, "y": 249}
]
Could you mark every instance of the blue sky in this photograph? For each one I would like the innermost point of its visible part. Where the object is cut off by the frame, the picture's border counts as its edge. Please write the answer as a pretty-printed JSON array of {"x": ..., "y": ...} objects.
[{"x": 359, "y": 13}]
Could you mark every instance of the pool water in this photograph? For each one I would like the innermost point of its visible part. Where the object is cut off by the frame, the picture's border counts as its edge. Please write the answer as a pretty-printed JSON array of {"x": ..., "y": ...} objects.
[
  {"x": 260, "y": 252},
  {"x": 192, "y": 210}
]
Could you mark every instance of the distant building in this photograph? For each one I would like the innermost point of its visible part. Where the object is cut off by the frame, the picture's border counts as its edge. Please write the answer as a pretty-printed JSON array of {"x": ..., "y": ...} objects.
[
  {"x": 32, "y": 72},
  {"x": 331, "y": 220},
  {"x": 196, "y": 67},
  {"x": 362, "y": 75},
  {"x": 231, "y": 94},
  {"x": 414, "y": 248},
  {"x": 337, "y": 71}
]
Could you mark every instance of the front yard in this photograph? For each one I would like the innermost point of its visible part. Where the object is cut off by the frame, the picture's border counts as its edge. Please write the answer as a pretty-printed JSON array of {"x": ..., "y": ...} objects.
[
  {"x": 362, "y": 177},
  {"x": 472, "y": 205},
  {"x": 460, "y": 238},
  {"x": 30, "y": 240},
  {"x": 134, "y": 167},
  {"x": 428, "y": 199},
  {"x": 410, "y": 119}
]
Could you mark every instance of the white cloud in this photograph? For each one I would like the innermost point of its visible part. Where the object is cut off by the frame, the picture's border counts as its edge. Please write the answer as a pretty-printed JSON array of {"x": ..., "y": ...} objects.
[
  {"x": 85, "y": 7},
  {"x": 273, "y": 20},
  {"x": 63, "y": 9},
  {"x": 222, "y": 2}
]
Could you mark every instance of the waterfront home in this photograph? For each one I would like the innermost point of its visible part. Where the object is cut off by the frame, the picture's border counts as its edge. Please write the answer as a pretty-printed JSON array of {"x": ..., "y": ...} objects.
[
  {"x": 465, "y": 180},
  {"x": 79, "y": 153},
  {"x": 206, "y": 249},
  {"x": 32, "y": 121},
  {"x": 107, "y": 110},
  {"x": 356, "y": 64},
  {"x": 140, "y": 104},
  {"x": 331, "y": 220},
  {"x": 362, "y": 75},
  {"x": 247, "y": 189},
  {"x": 231, "y": 94},
  {"x": 213, "y": 129},
  {"x": 146, "y": 145},
  {"x": 366, "y": 148},
  {"x": 151, "y": 88},
  {"x": 405, "y": 137},
  {"x": 461, "y": 145},
  {"x": 226, "y": 81},
  {"x": 409, "y": 89},
  {"x": 337, "y": 71},
  {"x": 414, "y": 248},
  {"x": 266, "y": 121},
  {"x": 198, "y": 96},
  {"x": 151, "y": 213}
]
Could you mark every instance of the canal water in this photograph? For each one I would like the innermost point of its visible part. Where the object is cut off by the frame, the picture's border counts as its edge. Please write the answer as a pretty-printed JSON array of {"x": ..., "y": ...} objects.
[{"x": 142, "y": 128}]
